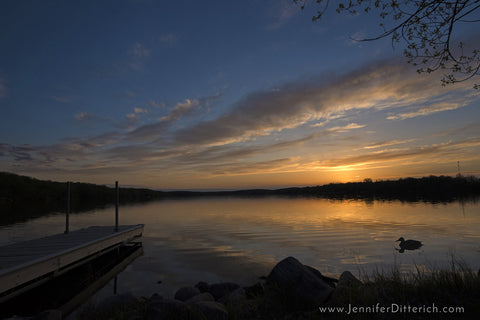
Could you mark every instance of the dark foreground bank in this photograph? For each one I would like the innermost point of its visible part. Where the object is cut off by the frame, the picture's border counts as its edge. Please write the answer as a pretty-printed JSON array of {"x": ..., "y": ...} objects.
[{"x": 296, "y": 291}]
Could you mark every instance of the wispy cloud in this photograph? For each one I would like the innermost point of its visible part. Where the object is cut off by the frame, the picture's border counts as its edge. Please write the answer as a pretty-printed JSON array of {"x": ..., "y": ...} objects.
[
  {"x": 140, "y": 110},
  {"x": 443, "y": 106},
  {"x": 169, "y": 39},
  {"x": 283, "y": 11},
  {"x": 84, "y": 116},
  {"x": 379, "y": 86},
  {"x": 181, "y": 109},
  {"x": 442, "y": 153},
  {"x": 382, "y": 144},
  {"x": 140, "y": 51},
  {"x": 18, "y": 153},
  {"x": 61, "y": 99},
  {"x": 267, "y": 131},
  {"x": 470, "y": 129}
]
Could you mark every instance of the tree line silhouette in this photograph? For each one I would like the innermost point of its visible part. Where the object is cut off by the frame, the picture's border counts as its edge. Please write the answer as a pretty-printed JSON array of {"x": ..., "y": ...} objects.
[{"x": 23, "y": 198}]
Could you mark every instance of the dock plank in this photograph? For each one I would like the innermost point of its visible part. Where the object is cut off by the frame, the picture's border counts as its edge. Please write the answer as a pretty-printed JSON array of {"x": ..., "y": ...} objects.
[{"x": 26, "y": 261}]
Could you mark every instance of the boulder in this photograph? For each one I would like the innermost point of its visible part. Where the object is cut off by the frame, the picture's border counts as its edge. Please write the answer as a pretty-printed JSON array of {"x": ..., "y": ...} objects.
[
  {"x": 346, "y": 282},
  {"x": 201, "y": 297},
  {"x": 348, "y": 279},
  {"x": 166, "y": 309},
  {"x": 254, "y": 291},
  {"x": 299, "y": 283},
  {"x": 185, "y": 293},
  {"x": 331, "y": 281},
  {"x": 211, "y": 310},
  {"x": 235, "y": 297},
  {"x": 218, "y": 290},
  {"x": 239, "y": 305},
  {"x": 202, "y": 286}
]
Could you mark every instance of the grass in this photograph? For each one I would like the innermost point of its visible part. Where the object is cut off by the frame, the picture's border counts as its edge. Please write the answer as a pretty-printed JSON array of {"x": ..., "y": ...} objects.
[{"x": 457, "y": 288}]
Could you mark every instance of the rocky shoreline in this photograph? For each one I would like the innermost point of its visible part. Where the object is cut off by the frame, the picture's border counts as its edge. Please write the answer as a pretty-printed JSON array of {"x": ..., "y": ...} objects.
[
  {"x": 303, "y": 287},
  {"x": 292, "y": 290}
]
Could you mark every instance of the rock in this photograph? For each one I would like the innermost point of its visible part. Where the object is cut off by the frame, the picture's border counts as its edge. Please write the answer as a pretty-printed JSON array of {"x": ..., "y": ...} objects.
[
  {"x": 160, "y": 309},
  {"x": 206, "y": 296},
  {"x": 234, "y": 297},
  {"x": 185, "y": 293},
  {"x": 331, "y": 281},
  {"x": 299, "y": 283},
  {"x": 348, "y": 279},
  {"x": 239, "y": 305},
  {"x": 211, "y": 310},
  {"x": 218, "y": 290},
  {"x": 346, "y": 282},
  {"x": 254, "y": 291},
  {"x": 202, "y": 286}
]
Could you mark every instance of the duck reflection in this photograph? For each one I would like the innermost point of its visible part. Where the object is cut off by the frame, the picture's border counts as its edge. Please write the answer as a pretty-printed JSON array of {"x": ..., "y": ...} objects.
[{"x": 408, "y": 244}]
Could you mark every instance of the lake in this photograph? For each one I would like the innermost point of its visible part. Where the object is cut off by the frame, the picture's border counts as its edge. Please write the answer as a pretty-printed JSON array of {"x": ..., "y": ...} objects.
[{"x": 240, "y": 239}]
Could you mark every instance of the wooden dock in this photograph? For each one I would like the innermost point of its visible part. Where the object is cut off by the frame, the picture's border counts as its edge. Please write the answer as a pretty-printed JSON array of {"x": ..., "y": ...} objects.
[{"x": 26, "y": 264}]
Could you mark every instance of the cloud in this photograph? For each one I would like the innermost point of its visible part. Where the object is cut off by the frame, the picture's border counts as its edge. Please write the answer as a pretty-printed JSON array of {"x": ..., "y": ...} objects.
[
  {"x": 439, "y": 107},
  {"x": 140, "y": 110},
  {"x": 156, "y": 104},
  {"x": 283, "y": 13},
  {"x": 19, "y": 153},
  {"x": 284, "y": 130},
  {"x": 346, "y": 128},
  {"x": 152, "y": 131},
  {"x": 168, "y": 39},
  {"x": 472, "y": 128},
  {"x": 209, "y": 158},
  {"x": 180, "y": 110},
  {"x": 139, "y": 54},
  {"x": 132, "y": 119},
  {"x": 140, "y": 51},
  {"x": 84, "y": 116},
  {"x": 69, "y": 152},
  {"x": 129, "y": 93},
  {"x": 232, "y": 168},
  {"x": 382, "y": 144},
  {"x": 445, "y": 152},
  {"x": 379, "y": 86},
  {"x": 61, "y": 99}
]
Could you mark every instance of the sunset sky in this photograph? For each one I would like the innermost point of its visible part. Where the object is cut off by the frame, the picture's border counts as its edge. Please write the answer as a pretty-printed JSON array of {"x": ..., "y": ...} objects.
[{"x": 221, "y": 95}]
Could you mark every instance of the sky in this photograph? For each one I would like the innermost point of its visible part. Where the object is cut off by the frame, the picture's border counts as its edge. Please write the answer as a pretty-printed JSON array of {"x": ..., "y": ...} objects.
[{"x": 221, "y": 95}]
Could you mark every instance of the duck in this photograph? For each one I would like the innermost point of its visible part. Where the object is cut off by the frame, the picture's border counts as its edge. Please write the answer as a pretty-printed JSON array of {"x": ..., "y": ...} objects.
[{"x": 409, "y": 244}]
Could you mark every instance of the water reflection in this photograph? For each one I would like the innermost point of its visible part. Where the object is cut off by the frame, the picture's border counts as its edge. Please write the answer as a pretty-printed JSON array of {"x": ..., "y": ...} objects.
[{"x": 232, "y": 239}]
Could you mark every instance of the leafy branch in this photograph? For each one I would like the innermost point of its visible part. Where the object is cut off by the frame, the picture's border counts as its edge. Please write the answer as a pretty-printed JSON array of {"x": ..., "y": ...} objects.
[{"x": 427, "y": 28}]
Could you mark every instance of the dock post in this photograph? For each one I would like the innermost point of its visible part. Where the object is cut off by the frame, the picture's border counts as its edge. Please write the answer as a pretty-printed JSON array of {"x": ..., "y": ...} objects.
[
  {"x": 116, "y": 206},
  {"x": 67, "y": 227}
]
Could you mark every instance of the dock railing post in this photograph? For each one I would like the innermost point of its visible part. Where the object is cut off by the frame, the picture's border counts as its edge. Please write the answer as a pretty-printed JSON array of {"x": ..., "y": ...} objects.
[
  {"x": 67, "y": 227},
  {"x": 116, "y": 206}
]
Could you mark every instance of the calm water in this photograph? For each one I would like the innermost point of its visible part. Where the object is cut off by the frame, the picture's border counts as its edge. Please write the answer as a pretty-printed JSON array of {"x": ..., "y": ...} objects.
[{"x": 231, "y": 239}]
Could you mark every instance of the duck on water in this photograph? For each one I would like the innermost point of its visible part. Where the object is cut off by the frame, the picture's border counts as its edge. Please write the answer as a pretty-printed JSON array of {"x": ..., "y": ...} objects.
[{"x": 408, "y": 244}]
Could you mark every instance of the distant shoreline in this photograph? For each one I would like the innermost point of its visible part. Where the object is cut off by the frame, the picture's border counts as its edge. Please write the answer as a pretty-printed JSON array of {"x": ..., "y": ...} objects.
[{"x": 22, "y": 197}]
